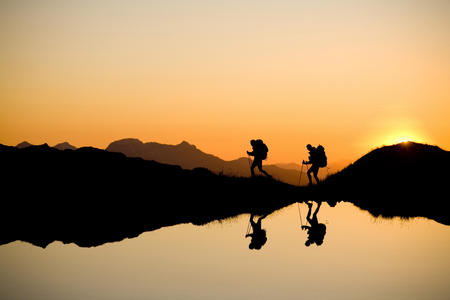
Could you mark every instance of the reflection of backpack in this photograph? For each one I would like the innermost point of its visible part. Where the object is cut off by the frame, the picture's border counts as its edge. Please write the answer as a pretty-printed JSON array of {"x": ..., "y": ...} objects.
[
  {"x": 321, "y": 229},
  {"x": 321, "y": 157},
  {"x": 261, "y": 149}
]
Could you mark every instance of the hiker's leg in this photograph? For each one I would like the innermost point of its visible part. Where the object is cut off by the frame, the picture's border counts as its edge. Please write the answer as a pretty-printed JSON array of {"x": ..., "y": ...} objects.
[
  {"x": 252, "y": 168},
  {"x": 315, "y": 172},
  {"x": 251, "y": 221},
  {"x": 259, "y": 164},
  {"x": 319, "y": 203},
  {"x": 263, "y": 216},
  {"x": 258, "y": 224},
  {"x": 309, "y": 175},
  {"x": 308, "y": 217},
  {"x": 262, "y": 171}
]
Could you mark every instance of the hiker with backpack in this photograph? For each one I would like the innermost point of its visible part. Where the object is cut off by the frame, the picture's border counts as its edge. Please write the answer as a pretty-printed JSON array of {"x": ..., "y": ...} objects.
[
  {"x": 259, "y": 153},
  {"x": 317, "y": 159}
]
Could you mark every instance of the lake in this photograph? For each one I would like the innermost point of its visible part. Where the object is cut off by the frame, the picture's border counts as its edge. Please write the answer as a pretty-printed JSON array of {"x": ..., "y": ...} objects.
[{"x": 362, "y": 257}]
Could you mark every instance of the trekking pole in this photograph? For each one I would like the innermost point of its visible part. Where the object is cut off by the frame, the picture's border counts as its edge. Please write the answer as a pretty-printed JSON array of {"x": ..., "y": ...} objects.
[
  {"x": 298, "y": 204},
  {"x": 301, "y": 171},
  {"x": 250, "y": 163}
]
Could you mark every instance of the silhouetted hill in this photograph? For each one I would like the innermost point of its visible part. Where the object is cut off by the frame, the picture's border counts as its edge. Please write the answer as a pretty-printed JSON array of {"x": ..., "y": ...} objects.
[
  {"x": 109, "y": 197},
  {"x": 64, "y": 146},
  {"x": 407, "y": 179},
  {"x": 189, "y": 157}
]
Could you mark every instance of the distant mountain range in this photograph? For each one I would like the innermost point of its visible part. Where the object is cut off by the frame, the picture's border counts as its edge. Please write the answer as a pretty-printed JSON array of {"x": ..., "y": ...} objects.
[
  {"x": 24, "y": 144},
  {"x": 188, "y": 157},
  {"x": 60, "y": 146}
]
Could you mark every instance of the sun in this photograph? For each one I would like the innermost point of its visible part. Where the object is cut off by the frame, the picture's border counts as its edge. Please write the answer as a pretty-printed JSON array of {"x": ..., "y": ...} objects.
[
  {"x": 397, "y": 138},
  {"x": 403, "y": 140}
]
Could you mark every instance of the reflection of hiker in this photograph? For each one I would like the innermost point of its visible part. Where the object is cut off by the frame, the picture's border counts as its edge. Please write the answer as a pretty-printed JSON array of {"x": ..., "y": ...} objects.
[
  {"x": 258, "y": 235},
  {"x": 259, "y": 153},
  {"x": 316, "y": 232},
  {"x": 317, "y": 159}
]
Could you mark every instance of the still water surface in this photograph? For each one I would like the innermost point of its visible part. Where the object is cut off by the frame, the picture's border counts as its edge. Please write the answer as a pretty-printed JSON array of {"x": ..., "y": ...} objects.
[{"x": 361, "y": 258}]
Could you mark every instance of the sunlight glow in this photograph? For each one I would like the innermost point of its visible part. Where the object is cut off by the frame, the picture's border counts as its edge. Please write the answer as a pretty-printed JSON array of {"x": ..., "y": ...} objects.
[{"x": 402, "y": 138}]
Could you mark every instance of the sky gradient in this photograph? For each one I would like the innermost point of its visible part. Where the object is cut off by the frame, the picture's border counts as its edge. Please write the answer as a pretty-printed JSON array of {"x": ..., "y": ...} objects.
[{"x": 351, "y": 75}]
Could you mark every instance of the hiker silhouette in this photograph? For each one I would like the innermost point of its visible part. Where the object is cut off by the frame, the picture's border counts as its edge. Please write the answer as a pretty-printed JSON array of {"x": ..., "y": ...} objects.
[
  {"x": 258, "y": 234},
  {"x": 317, "y": 231},
  {"x": 259, "y": 153},
  {"x": 317, "y": 159}
]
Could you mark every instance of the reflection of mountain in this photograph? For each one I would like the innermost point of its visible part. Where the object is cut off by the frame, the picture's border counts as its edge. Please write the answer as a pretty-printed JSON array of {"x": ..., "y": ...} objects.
[
  {"x": 188, "y": 157},
  {"x": 91, "y": 196},
  {"x": 408, "y": 179}
]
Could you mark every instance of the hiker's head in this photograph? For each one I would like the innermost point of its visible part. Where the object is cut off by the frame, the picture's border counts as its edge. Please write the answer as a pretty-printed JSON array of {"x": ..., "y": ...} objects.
[
  {"x": 309, "y": 147},
  {"x": 252, "y": 142}
]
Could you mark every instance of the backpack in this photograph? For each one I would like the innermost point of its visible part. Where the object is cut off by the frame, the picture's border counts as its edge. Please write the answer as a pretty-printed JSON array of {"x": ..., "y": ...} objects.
[
  {"x": 261, "y": 149},
  {"x": 321, "y": 157}
]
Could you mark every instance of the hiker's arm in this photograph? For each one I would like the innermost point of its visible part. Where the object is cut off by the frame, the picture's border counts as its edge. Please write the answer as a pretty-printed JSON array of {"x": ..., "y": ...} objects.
[
  {"x": 306, "y": 162},
  {"x": 250, "y": 153}
]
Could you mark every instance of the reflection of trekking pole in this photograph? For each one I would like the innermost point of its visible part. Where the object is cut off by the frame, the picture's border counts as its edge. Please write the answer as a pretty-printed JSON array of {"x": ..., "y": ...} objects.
[
  {"x": 248, "y": 228},
  {"x": 300, "y": 215}
]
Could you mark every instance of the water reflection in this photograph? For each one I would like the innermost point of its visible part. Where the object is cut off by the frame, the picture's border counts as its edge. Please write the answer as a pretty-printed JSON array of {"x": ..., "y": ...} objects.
[
  {"x": 316, "y": 231},
  {"x": 258, "y": 235},
  {"x": 400, "y": 259}
]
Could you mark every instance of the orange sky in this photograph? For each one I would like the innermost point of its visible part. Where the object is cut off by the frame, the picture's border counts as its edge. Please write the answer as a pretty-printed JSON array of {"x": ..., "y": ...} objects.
[{"x": 351, "y": 75}]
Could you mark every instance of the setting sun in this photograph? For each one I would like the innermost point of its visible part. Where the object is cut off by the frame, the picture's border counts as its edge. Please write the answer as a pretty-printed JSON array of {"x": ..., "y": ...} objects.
[{"x": 402, "y": 138}]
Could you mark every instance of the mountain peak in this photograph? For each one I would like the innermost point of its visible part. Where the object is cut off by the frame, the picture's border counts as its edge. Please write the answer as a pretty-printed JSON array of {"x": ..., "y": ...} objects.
[
  {"x": 406, "y": 149},
  {"x": 185, "y": 144},
  {"x": 64, "y": 146},
  {"x": 24, "y": 144}
]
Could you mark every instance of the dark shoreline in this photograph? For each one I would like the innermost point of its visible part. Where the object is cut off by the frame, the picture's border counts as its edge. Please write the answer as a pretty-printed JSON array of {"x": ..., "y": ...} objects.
[{"x": 90, "y": 197}]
